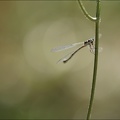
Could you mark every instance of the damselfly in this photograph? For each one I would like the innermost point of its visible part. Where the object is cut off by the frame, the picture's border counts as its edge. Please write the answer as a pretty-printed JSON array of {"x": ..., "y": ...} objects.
[{"x": 66, "y": 58}]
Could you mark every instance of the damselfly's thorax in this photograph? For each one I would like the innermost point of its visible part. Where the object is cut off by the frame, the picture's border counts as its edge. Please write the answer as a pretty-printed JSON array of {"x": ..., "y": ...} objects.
[{"x": 89, "y": 42}]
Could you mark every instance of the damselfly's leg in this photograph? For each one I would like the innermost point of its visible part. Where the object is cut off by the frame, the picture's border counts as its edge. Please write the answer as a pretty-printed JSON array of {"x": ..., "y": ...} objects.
[{"x": 92, "y": 48}]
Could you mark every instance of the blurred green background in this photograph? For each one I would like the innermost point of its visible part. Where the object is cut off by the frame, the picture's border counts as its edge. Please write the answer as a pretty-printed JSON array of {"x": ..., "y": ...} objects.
[{"x": 32, "y": 85}]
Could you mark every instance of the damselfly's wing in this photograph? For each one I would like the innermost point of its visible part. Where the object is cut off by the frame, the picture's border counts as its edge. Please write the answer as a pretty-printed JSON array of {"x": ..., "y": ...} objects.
[
  {"x": 65, "y": 47},
  {"x": 70, "y": 55},
  {"x": 100, "y": 35},
  {"x": 65, "y": 58}
]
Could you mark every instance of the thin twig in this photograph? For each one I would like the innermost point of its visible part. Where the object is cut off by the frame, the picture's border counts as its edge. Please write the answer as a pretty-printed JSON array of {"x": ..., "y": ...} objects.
[
  {"x": 97, "y": 22},
  {"x": 85, "y": 12},
  {"x": 97, "y": 27}
]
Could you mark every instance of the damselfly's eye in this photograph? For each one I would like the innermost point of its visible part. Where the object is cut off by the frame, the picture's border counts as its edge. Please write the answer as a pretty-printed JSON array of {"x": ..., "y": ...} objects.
[{"x": 89, "y": 40}]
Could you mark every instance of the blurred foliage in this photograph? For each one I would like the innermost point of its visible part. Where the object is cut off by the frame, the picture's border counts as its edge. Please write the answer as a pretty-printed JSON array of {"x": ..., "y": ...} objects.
[{"x": 32, "y": 85}]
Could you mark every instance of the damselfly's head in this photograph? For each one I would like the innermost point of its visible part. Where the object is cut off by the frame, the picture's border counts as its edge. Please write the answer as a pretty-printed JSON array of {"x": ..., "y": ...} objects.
[{"x": 89, "y": 41}]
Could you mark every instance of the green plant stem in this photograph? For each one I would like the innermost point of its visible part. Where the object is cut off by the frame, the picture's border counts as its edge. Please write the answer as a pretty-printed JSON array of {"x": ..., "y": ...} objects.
[
  {"x": 97, "y": 22},
  {"x": 85, "y": 12},
  {"x": 95, "y": 58}
]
